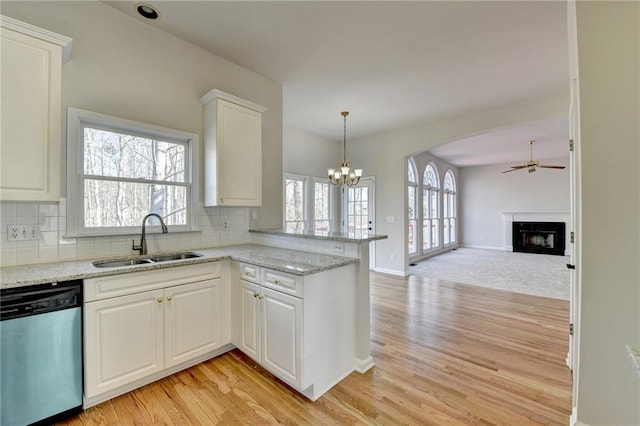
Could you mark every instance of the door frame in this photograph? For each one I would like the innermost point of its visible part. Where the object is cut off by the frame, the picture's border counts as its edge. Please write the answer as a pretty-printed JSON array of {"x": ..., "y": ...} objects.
[{"x": 370, "y": 181}]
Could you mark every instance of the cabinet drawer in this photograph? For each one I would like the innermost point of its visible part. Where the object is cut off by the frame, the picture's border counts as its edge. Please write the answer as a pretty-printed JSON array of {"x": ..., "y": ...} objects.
[
  {"x": 136, "y": 282},
  {"x": 281, "y": 281},
  {"x": 249, "y": 272}
]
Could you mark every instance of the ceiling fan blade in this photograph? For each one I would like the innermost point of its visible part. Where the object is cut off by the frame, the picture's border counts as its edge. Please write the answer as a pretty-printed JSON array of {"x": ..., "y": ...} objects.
[
  {"x": 514, "y": 168},
  {"x": 553, "y": 167}
]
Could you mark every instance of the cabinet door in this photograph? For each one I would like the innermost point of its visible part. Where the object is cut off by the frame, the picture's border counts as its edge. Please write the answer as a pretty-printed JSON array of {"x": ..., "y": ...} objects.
[
  {"x": 122, "y": 340},
  {"x": 249, "y": 320},
  {"x": 30, "y": 130},
  {"x": 239, "y": 134},
  {"x": 192, "y": 320},
  {"x": 282, "y": 335}
]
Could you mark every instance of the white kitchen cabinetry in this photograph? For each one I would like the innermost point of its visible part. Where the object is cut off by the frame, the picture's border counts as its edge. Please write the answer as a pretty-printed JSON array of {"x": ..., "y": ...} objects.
[
  {"x": 301, "y": 329},
  {"x": 31, "y": 111},
  {"x": 191, "y": 321},
  {"x": 232, "y": 150},
  {"x": 141, "y": 326}
]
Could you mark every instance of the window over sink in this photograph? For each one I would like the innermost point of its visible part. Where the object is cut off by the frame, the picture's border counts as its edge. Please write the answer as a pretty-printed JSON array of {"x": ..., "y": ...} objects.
[{"x": 120, "y": 170}]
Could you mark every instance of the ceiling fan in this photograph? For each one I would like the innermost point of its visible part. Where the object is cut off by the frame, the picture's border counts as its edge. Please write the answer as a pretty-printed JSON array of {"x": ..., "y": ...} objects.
[{"x": 531, "y": 164}]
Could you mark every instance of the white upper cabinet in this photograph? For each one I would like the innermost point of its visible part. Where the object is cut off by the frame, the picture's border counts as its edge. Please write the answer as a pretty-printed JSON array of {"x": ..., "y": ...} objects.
[
  {"x": 31, "y": 111},
  {"x": 232, "y": 150}
]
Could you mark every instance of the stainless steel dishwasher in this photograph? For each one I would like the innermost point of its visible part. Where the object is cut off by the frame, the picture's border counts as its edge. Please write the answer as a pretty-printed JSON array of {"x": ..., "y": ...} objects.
[{"x": 40, "y": 353}]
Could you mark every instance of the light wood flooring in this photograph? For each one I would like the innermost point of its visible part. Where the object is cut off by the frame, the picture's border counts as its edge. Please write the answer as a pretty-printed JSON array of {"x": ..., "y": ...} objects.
[{"x": 445, "y": 354}]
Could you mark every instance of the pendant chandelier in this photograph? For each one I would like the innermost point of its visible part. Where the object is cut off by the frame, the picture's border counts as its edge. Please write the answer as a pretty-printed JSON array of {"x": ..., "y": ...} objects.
[{"x": 344, "y": 174}]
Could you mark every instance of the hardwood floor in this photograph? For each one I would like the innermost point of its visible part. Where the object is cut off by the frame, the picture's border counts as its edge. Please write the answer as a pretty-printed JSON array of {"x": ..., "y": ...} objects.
[{"x": 445, "y": 353}]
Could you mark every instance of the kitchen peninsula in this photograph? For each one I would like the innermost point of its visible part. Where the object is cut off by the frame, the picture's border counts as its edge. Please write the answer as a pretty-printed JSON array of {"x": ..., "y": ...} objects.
[
  {"x": 287, "y": 309},
  {"x": 351, "y": 244}
]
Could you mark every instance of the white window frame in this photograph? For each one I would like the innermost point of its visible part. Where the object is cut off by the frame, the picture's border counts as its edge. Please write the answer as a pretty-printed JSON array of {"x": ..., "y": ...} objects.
[
  {"x": 305, "y": 198},
  {"x": 312, "y": 200},
  {"x": 427, "y": 197},
  {"x": 77, "y": 119},
  {"x": 417, "y": 233},
  {"x": 452, "y": 216}
]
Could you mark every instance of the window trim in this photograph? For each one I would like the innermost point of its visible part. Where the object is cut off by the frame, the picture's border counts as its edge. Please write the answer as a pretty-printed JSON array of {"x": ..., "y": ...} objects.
[
  {"x": 417, "y": 233},
  {"x": 453, "y": 237},
  {"x": 77, "y": 119},
  {"x": 430, "y": 190}
]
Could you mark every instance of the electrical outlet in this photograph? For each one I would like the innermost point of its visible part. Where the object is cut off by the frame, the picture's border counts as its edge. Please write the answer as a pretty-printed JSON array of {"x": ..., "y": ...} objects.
[
  {"x": 23, "y": 232},
  {"x": 392, "y": 256},
  {"x": 225, "y": 225}
]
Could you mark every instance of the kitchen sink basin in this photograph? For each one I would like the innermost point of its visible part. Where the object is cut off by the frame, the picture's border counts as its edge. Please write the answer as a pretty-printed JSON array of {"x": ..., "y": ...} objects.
[
  {"x": 174, "y": 256},
  {"x": 145, "y": 260},
  {"x": 117, "y": 263}
]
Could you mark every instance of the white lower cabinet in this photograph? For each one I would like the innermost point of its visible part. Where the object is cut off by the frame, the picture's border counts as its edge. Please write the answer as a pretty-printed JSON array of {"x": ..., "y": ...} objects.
[
  {"x": 249, "y": 324},
  {"x": 271, "y": 330},
  {"x": 307, "y": 341},
  {"x": 282, "y": 335},
  {"x": 191, "y": 321},
  {"x": 133, "y": 338},
  {"x": 123, "y": 340}
]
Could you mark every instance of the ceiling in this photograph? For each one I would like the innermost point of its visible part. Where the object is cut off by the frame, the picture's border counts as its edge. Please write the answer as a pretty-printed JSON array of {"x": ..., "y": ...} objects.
[{"x": 390, "y": 63}]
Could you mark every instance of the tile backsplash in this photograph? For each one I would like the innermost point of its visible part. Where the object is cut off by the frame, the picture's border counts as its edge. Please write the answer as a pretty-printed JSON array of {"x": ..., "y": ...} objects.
[{"x": 53, "y": 246}]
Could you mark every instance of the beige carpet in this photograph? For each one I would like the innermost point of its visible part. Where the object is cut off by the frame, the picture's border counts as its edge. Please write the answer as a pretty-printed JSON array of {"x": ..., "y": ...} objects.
[{"x": 535, "y": 274}]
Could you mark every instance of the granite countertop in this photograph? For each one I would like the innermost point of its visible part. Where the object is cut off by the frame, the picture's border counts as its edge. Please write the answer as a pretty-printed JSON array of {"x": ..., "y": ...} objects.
[
  {"x": 291, "y": 261},
  {"x": 355, "y": 237}
]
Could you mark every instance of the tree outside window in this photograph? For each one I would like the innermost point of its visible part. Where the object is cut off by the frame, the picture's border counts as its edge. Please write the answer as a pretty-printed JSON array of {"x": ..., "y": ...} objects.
[{"x": 294, "y": 203}]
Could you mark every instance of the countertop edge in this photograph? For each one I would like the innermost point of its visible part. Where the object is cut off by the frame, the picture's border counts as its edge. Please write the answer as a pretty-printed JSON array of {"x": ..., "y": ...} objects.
[
  {"x": 280, "y": 232},
  {"x": 84, "y": 269}
]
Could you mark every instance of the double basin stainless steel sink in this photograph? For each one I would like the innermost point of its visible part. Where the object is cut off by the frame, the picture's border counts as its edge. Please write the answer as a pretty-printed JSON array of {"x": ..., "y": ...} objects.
[{"x": 114, "y": 263}]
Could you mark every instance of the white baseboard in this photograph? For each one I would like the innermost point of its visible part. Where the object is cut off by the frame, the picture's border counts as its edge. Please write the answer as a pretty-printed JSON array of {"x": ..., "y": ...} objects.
[
  {"x": 573, "y": 419},
  {"x": 483, "y": 247},
  {"x": 363, "y": 365},
  {"x": 390, "y": 272}
]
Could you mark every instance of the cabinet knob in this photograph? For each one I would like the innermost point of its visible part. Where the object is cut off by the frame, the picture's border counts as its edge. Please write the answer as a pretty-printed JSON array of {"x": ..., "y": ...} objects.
[
  {"x": 276, "y": 282},
  {"x": 256, "y": 295},
  {"x": 159, "y": 299},
  {"x": 169, "y": 297}
]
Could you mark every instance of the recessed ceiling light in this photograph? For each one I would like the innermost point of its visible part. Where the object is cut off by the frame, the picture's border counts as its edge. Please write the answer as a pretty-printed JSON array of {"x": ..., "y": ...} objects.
[{"x": 147, "y": 11}]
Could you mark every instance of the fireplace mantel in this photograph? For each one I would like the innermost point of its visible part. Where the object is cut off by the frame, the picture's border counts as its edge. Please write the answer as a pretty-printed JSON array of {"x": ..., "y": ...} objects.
[{"x": 510, "y": 217}]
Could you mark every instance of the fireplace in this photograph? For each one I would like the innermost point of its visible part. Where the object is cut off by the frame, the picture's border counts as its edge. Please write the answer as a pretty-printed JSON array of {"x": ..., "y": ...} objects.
[{"x": 539, "y": 237}]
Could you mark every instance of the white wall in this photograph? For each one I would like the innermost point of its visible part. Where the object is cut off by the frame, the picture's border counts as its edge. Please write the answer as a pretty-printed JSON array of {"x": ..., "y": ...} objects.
[
  {"x": 609, "y": 76},
  {"x": 485, "y": 193},
  {"x": 309, "y": 154},
  {"x": 126, "y": 68},
  {"x": 384, "y": 156}
]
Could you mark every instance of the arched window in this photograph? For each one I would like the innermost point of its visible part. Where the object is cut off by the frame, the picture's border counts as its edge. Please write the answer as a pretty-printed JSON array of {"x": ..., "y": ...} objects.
[
  {"x": 430, "y": 208},
  {"x": 449, "y": 208},
  {"x": 412, "y": 207}
]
